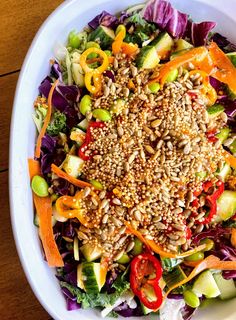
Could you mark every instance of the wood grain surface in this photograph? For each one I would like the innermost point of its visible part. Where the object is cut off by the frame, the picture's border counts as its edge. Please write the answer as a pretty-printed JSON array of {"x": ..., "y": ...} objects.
[{"x": 19, "y": 21}]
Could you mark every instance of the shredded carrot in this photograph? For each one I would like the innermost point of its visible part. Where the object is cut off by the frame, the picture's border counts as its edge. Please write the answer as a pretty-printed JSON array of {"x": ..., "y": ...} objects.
[
  {"x": 43, "y": 207},
  {"x": 230, "y": 159},
  {"x": 211, "y": 262},
  {"x": 192, "y": 263},
  {"x": 193, "y": 54},
  {"x": 64, "y": 175},
  {"x": 233, "y": 237},
  {"x": 46, "y": 120},
  {"x": 225, "y": 71}
]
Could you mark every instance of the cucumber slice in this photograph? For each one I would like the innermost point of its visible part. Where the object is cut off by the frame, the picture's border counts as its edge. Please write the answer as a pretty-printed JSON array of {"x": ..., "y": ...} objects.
[
  {"x": 37, "y": 221},
  {"x": 232, "y": 57},
  {"x": 174, "y": 276},
  {"x": 91, "y": 252},
  {"x": 205, "y": 285},
  {"x": 182, "y": 44},
  {"x": 223, "y": 134},
  {"x": 102, "y": 35},
  {"x": 76, "y": 249},
  {"x": 226, "y": 205},
  {"x": 80, "y": 282},
  {"x": 147, "y": 58},
  {"x": 92, "y": 277},
  {"x": 83, "y": 125},
  {"x": 78, "y": 136},
  {"x": 73, "y": 165},
  {"x": 215, "y": 110},
  {"x": 77, "y": 74},
  {"x": 227, "y": 287},
  {"x": 145, "y": 309},
  {"x": 163, "y": 45},
  {"x": 225, "y": 172}
]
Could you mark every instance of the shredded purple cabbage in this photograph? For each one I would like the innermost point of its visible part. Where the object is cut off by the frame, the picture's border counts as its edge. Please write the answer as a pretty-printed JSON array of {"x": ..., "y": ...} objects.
[
  {"x": 175, "y": 296},
  {"x": 71, "y": 302},
  {"x": 229, "y": 274},
  {"x": 166, "y": 17},
  {"x": 110, "y": 75},
  {"x": 105, "y": 19},
  {"x": 56, "y": 71},
  {"x": 223, "y": 43},
  {"x": 187, "y": 312},
  {"x": 125, "y": 311},
  {"x": 200, "y": 31},
  {"x": 215, "y": 234}
]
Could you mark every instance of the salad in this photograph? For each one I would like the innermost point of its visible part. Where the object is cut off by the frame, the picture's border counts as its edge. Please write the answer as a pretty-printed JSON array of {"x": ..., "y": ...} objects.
[{"x": 134, "y": 173}]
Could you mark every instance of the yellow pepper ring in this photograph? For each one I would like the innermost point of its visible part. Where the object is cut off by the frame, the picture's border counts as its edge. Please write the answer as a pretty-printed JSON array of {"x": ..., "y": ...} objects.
[
  {"x": 102, "y": 54},
  {"x": 96, "y": 77}
]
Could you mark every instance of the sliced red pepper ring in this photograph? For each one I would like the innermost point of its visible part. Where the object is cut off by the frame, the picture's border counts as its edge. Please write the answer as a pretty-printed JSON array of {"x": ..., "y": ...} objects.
[
  {"x": 88, "y": 139},
  {"x": 145, "y": 274}
]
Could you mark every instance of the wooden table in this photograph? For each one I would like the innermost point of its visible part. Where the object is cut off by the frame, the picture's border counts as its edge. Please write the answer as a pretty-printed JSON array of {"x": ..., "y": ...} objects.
[{"x": 19, "y": 21}]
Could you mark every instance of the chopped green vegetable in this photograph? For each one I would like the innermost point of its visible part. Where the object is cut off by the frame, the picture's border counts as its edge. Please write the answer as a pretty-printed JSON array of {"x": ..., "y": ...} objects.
[
  {"x": 102, "y": 114},
  {"x": 58, "y": 124},
  {"x": 39, "y": 115},
  {"x": 85, "y": 104},
  {"x": 172, "y": 75},
  {"x": 195, "y": 256},
  {"x": 154, "y": 87},
  {"x": 39, "y": 186},
  {"x": 191, "y": 299},
  {"x": 124, "y": 259},
  {"x": 169, "y": 263},
  {"x": 215, "y": 110}
]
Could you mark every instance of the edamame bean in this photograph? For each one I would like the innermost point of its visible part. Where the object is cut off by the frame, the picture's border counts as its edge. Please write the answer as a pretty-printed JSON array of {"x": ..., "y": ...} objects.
[
  {"x": 39, "y": 186},
  {"x": 97, "y": 185},
  {"x": 154, "y": 87},
  {"x": 108, "y": 53},
  {"x": 73, "y": 39},
  {"x": 120, "y": 28},
  {"x": 124, "y": 259},
  {"x": 85, "y": 104},
  {"x": 138, "y": 247},
  {"x": 209, "y": 244},
  {"x": 118, "y": 106},
  {"x": 101, "y": 114},
  {"x": 191, "y": 299},
  {"x": 92, "y": 44},
  {"x": 172, "y": 75},
  {"x": 195, "y": 256}
]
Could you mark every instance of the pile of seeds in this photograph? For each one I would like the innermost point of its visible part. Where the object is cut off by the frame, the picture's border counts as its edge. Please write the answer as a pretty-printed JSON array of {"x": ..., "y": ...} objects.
[{"x": 150, "y": 159}]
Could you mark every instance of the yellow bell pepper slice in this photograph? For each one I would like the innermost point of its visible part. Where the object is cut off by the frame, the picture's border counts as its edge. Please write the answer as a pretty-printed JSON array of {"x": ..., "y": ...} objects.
[{"x": 102, "y": 54}]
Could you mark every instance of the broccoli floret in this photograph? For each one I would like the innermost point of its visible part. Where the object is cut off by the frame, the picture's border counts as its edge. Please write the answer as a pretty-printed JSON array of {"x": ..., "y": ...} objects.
[{"x": 58, "y": 124}]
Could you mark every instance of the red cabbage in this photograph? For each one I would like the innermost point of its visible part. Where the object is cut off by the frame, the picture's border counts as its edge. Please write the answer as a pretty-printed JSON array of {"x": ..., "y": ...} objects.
[
  {"x": 105, "y": 19},
  {"x": 229, "y": 274},
  {"x": 72, "y": 305},
  {"x": 215, "y": 234},
  {"x": 223, "y": 43},
  {"x": 216, "y": 84},
  {"x": 187, "y": 312},
  {"x": 56, "y": 71},
  {"x": 175, "y": 296},
  {"x": 125, "y": 311},
  {"x": 68, "y": 294},
  {"x": 123, "y": 16},
  {"x": 200, "y": 32},
  {"x": 110, "y": 74},
  {"x": 166, "y": 17}
]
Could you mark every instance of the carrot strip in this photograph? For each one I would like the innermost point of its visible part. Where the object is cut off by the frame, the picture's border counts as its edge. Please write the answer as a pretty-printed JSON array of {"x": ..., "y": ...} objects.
[
  {"x": 129, "y": 49},
  {"x": 44, "y": 210},
  {"x": 64, "y": 175},
  {"x": 46, "y": 120},
  {"x": 211, "y": 262},
  {"x": 230, "y": 159},
  {"x": 233, "y": 237},
  {"x": 192, "y": 263}
]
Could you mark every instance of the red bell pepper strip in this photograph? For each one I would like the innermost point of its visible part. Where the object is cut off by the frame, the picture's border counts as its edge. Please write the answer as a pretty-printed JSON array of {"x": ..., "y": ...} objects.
[
  {"x": 88, "y": 140},
  {"x": 145, "y": 274},
  {"x": 206, "y": 186}
]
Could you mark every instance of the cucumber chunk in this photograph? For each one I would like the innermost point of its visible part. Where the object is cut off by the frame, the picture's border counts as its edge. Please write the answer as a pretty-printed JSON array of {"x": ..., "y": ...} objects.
[
  {"x": 77, "y": 74},
  {"x": 232, "y": 57},
  {"x": 83, "y": 125},
  {"x": 227, "y": 287},
  {"x": 91, "y": 252},
  {"x": 223, "y": 134},
  {"x": 182, "y": 44},
  {"x": 163, "y": 45},
  {"x": 102, "y": 35},
  {"x": 205, "y": 285},
  {"x": 73, "y": 165},
  {"x": 147, "y": 58},
  {"x": 226, "y": 205},
  {"x": 225, "y": 172},
  {"x": 78, "y": 136},
  {"x": 80, "y": 282},
  {"x": 92, "y": 277},
  {"x": 215, "y": 110}
]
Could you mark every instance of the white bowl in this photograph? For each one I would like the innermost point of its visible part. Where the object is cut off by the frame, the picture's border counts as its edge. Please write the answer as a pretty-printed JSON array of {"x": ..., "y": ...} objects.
[{"x": 70, "y": 15}]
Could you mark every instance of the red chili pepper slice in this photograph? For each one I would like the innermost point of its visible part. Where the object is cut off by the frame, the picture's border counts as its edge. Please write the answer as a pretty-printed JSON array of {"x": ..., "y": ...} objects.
[
  {"x": 145, "y": 274},
  {"x": 88, "y": 139},
  {"x": 211, "y": 135},
  {"x": 206, "y": 186}
]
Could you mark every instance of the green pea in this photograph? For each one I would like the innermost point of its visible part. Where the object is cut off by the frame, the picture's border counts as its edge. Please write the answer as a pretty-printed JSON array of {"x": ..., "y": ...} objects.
[
  {"x": 191, "y": 299},
  {"x": 118, "y": 106},
  {"x": 172, "y": 75},
  {"x": 195, "y": 256},
  {"x": 97, "y": 185},
  {"x": 154, "y": 87},
  {"x": 102, "y": 114},
  {"x": 92, "y": 44},
  {"x": 120, "y": 27},
  {"x": 124, "y": 259},
  {"x": 73, "y": 39},
  {"x": 39, "y": 186},
  {"x": 85, "y": 104},
  {"x": 108, "y": 53},
  {"x": 138, "y": 247},
  {"x": 209, "y": 244}
]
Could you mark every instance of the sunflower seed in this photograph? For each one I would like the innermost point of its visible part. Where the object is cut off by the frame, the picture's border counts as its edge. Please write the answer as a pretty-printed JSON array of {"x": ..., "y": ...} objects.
[
  {"x": 228, "y": 142},
  {"x": 160, "y": 225},
  {"x": 177, "y": 210},
  {"x": 86, "y": 192},
  {"x": 103, "y": 236},
  {"x": 180, "y": 203},
  {"x": 104, "y": 203},
  {"x": 173, "y": 236},
  {"x": 94, "y": 201},
  {"x": 149, "y": 149},
  {"x": 159, "y": 144},
  {"x": 156, "y": 123},
  {"x": 118, "y": 172},
  {"x": 82, "y": 235},
  {"x": 199, "y": 228},
  {"x": 138, "y": 215},
  {"x": 106, "y": 91},
  {"x": 122, "y": 230},
  {"x": 115, "y": 64},
  {"x": 120, "y": 131},
  {"x": 125, "y": 71},
  {"x": 224, "y": 117},
  {"x": 126, "y": 166},
  {"x": 131, "y": 158},
  {"x": 102, "y": 194},
  {"x": 105, "y": 218},
  {"x": 187, "y": 148},
  {"x": 116, "y": 201},
  {"x": 118, "y": 255},
  {"x": 157, "y": 219},
  {"x": 179, "y": 227},
  {"x": 116, "y": 221},
  {"x": 134, "y": 70},
  {"x": 130, "y": 246},
  {"x": 122, "y": 240}
]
